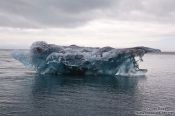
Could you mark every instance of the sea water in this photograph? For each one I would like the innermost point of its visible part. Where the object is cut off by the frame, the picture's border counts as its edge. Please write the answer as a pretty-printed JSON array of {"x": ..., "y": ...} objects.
[{"x": 26, "y": 93}]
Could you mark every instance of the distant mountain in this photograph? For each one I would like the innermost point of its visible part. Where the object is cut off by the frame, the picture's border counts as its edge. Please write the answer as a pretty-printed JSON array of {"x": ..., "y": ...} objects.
[{"x": 168, "y": 53}]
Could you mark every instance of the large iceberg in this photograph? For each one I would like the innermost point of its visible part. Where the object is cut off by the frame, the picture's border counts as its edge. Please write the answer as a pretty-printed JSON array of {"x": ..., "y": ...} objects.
[{"x": 75, "y": 60}]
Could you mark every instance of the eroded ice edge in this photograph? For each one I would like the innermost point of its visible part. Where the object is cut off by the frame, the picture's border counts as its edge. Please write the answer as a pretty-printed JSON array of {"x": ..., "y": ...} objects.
[{"x": 74, "y": 60}]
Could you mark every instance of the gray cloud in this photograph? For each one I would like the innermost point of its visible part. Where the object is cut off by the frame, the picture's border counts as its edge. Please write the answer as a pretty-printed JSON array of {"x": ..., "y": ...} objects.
[
  {"x": 73, "y": 13},
  {"x": 148, "y": 10}
]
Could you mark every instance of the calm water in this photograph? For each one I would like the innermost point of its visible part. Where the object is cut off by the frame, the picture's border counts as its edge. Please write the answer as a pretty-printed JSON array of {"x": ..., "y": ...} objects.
[{"x": 24, "y": 93}]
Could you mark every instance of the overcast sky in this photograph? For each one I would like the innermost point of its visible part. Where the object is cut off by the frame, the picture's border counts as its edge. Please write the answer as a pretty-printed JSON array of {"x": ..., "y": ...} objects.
[{"x": 116, "y": 23}]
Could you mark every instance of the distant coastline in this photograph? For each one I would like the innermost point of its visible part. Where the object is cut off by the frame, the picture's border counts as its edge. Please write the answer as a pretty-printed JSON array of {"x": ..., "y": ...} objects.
[
  {"x": 12, "y": 49},
  {"x": 168, "y": 53},
  {"x": 161, "y": 53}
]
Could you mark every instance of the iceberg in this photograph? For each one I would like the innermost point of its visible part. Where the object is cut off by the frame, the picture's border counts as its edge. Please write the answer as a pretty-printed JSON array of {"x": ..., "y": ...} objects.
[{"x": 47, "y": 58}]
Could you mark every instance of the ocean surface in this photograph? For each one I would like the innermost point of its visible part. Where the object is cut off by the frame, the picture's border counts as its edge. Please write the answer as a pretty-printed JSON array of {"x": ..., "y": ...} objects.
[{"x": 25, "y": 93}]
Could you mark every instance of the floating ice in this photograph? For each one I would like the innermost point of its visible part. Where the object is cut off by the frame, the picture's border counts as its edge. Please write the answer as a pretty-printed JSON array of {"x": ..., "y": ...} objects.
[{"x": 75, "y": 60}]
